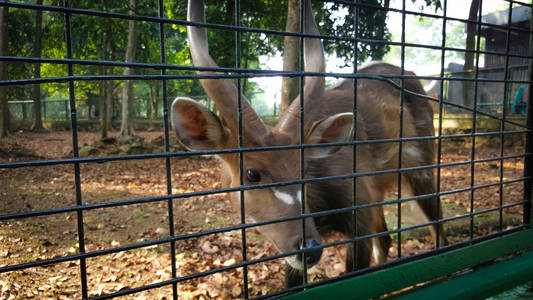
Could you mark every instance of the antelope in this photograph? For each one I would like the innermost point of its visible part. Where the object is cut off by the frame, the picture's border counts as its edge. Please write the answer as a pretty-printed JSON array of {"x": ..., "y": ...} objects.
[{"x": 328, "y": 118}]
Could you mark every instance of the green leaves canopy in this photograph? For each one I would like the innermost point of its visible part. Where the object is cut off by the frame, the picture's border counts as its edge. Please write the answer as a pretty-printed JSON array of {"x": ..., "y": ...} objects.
[{"x": 98, "y": 38}]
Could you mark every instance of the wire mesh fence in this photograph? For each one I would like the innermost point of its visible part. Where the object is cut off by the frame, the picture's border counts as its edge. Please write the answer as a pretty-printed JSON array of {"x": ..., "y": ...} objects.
[
  {"x": 164, "y": 227},
  {"x": 58, "y": 109}
]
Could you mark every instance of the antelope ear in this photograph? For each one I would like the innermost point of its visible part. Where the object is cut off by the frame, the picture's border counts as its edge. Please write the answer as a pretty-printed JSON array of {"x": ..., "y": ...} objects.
[
  {"x": 197, "y": 128},
  {"x": 337, "y": 128}
]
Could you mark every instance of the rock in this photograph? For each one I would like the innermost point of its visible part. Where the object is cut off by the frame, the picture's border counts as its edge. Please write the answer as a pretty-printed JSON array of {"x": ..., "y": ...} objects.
[
  {"x": 158, "y": 141},
  {"x": 138, "y": 146},
  {"x": 114, "y": 151},
  {"x": 173, "y": 142},
  {"x": 87, "y": 151},
  {"x": 159, "y": 149},
  {"x": 178, "y": 148},
  {"x": 141, "y": 148},
  {"x": 126, "y": 140},
  {"x": 125, "y": 149},
  {"x": 98, "y": 144}
]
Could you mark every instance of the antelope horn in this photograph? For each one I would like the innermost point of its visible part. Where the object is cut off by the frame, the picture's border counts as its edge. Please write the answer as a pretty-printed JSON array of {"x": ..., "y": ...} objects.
[
  {"x": 314, "y": 86},
  {"x": 222, "y": 91}
]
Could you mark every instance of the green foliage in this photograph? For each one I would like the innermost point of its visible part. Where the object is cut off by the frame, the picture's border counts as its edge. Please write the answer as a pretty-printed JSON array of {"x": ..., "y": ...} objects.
[
  {"x": 20, "y": 26},
  {"x": 339, "y": 20},
  {"x": 104, "y": 38},
  {"x": 435, "y": 3}
]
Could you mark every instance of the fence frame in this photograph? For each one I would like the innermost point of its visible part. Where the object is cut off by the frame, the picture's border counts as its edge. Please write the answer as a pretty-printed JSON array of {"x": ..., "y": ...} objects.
[{"x": 389, "y": 277}]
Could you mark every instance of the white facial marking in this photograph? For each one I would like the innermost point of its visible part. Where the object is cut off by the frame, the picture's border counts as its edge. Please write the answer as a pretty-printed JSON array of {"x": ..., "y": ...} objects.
[
  {"x": 299, "y": 196},
  {"x": 411, "y": 151},
  {"x": 295, "y": 263},
  {"x": 288, "y": 199}
]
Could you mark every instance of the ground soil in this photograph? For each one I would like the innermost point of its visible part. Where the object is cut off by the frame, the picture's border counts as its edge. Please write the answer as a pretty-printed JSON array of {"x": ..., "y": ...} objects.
[{"x": 25, "y": 240}]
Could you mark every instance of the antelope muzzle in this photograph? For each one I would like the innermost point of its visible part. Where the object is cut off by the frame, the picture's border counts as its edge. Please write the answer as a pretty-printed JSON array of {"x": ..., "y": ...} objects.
[{"x": 309, "y": 253}]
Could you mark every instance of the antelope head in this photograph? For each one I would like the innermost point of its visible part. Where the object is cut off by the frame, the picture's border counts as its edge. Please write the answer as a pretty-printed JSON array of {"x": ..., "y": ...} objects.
[{"x": 197, "y": 128}]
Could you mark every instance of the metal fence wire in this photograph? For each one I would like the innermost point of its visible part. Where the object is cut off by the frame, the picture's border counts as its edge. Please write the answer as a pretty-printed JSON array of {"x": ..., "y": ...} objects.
[{"x": 508, "y": 127}]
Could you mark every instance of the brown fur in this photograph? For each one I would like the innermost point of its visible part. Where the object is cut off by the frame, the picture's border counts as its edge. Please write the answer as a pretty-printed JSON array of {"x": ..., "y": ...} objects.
[
  {"x": 378, "y": 118},
  {"x": 325, "y": 120}
]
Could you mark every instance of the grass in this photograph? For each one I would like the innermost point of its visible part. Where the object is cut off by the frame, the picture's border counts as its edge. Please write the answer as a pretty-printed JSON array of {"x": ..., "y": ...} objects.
[{"x": 142, "y": 214}]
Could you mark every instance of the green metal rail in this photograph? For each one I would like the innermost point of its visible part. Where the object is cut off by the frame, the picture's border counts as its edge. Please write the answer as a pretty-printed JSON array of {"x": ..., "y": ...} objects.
[{"x": 482, "y": 282}]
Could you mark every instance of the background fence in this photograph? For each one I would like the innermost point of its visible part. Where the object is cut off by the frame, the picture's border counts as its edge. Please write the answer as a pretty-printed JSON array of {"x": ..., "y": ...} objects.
[
  {"x": 57, "y": 110},
  {"x": 490, "y": 95}
]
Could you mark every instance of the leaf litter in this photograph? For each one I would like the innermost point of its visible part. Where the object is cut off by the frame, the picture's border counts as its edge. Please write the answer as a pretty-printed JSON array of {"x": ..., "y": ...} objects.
[{"x": 32, "y": 239}]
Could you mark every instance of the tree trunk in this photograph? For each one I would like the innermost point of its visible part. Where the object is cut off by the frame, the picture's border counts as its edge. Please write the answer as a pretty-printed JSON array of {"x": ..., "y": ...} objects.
[
  {"x": 157, "y": 97},
  {"x": 110, "y": 87},
  {"x": 36, "y": 93},
  {"x": 290, "y": 86},
  {"x": 468, "y": 86},
  {"x": 149, "y": 101},
  {"x": 106, "y": 104},
  {"x": 106, "y": 87},
  {"x": 104, "y": 129},
  {"x": 245, "y": 66},
  {"x": 4, "y": 109},
  {"x": 153, "y": 103},
  {"x": 126, "y": 128}
]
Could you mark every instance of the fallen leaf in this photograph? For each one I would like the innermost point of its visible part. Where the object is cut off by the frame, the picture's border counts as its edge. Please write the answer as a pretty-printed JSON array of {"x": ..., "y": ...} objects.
[
  {"x": 236, "y": 291},
  {"x": 207, "y": 247},
  {"x": 229, "y": 262}
]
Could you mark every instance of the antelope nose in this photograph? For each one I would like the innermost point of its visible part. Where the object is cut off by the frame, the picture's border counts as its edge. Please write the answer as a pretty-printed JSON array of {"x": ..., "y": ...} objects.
[{"x": 312, "y": 256}]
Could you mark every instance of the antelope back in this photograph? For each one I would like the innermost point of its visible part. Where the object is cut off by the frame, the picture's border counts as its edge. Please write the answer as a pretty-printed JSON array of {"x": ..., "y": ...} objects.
[{"x": 379, "y": 110}]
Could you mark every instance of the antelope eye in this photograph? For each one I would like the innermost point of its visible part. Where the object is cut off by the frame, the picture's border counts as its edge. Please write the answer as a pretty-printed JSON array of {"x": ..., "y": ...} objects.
[{"x": 253, "y": 175}]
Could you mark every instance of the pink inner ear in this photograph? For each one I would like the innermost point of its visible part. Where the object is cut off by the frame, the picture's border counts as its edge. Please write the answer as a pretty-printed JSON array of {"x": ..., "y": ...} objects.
[{"x": 193, "y": 123}]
